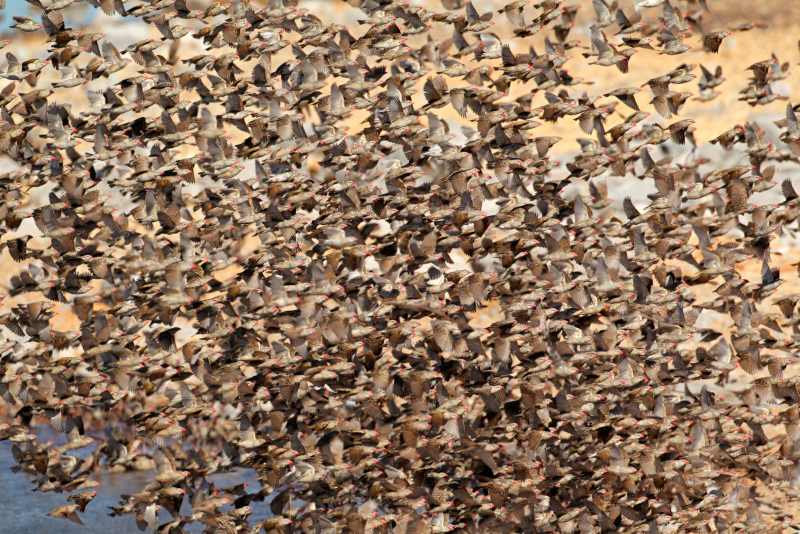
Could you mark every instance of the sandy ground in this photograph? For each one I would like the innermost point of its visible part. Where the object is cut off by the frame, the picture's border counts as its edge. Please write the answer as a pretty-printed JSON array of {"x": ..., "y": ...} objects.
[{"x": 736, "y": 54}]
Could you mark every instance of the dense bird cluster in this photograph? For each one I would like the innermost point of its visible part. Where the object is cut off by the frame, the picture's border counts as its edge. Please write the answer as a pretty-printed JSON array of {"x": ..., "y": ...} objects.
[{"x": 405, "y": 326}]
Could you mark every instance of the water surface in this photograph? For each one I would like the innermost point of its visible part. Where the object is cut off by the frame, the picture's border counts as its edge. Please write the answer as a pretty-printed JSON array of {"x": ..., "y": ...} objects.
[{"x": 25, "y": 510}]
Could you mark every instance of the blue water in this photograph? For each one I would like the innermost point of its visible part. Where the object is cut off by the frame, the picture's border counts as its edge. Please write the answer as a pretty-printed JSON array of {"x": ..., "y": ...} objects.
[
  {"x": 25, "y": 510},
  {"x": 22, "y": 509},
  {"x": 15, "y": 7}
]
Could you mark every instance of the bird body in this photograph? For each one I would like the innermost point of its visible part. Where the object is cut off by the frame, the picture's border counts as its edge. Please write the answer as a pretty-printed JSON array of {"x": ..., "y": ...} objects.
[{"x": 429, "y": 272}]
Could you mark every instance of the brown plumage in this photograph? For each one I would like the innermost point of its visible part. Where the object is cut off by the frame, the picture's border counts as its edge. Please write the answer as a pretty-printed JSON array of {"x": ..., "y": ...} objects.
[{"x": 351, "y": 263}]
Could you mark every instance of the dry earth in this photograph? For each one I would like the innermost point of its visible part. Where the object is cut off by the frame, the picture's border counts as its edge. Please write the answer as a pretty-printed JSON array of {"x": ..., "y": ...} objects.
[{"x": 780, "y": 36}]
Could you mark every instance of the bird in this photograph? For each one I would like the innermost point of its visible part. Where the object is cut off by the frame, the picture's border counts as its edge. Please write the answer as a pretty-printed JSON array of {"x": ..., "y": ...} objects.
[
  {"x": 424, "y": 271},
  {"x": 68, "y": 512}
]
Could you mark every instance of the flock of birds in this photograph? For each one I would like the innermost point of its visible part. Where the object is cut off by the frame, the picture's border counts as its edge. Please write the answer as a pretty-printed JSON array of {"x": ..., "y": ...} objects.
[{"x": 409, "y": 325}]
